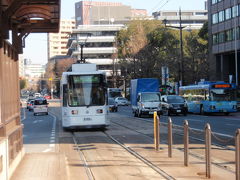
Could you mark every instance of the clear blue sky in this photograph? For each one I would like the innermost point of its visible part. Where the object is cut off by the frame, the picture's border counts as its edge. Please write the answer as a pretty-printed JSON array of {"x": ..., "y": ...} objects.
[{"x": 36, "y": 44}]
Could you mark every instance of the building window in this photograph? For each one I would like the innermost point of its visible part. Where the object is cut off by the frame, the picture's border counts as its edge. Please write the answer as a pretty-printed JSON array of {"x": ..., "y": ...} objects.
[
  {"x": 237, "y": 33},
  {"x": 228, "y": 13},
  {"x": 215, "y": 40},
  {"x": 235, "y": 11},
  {"x": 215, "y": 18},
  {"x": 214, "y": 1},
  {"x": 229, "y": 35},
  {"x": 221, "y": 37},
  {"x": 221, "y": 16}
]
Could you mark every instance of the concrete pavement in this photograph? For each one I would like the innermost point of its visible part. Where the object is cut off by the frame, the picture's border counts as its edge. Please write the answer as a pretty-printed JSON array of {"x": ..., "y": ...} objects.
[{"x": 65, "y": 164}]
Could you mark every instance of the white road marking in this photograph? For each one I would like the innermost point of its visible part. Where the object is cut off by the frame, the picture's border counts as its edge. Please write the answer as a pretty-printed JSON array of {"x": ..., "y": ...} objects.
[
  {"x": 47, "y": 150},
  {"x": 233, "y": 119},
  {"x": 37, "y": 121},
  {"x": 51, "y": 145},
  {"x": 24, "y": 114},
  {"x": 194, "y": 120},
  {"x": 235, "y": 125}
]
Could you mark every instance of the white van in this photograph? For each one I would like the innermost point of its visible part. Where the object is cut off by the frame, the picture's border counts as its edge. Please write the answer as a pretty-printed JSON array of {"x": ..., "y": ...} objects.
[
  {"x": 37, "y": 95},
  {"x": 40, "y": 106}
]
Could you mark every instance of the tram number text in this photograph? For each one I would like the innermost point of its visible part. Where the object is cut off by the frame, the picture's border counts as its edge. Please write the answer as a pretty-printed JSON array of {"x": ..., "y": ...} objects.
[{"x": 87, "y": 119}]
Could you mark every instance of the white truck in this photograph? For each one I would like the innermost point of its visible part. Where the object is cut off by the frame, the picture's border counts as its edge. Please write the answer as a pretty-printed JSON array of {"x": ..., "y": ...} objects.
[{"x": 145, "y": 96}]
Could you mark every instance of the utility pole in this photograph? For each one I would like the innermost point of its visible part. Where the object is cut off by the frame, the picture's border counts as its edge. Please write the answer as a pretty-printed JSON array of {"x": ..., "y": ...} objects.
[
  {"x": 235, "y": 42},
  {"x": 181, "y": 48},
  {"x": 181, "y": 63}
]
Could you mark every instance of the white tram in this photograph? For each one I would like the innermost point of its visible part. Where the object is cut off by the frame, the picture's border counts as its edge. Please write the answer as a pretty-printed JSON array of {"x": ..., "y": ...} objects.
[{"x": 83, "y": 95}]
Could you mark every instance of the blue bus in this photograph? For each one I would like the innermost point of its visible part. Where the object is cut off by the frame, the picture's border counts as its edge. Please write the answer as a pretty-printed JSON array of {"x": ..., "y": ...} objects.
[{"x": 210, "y": 97}]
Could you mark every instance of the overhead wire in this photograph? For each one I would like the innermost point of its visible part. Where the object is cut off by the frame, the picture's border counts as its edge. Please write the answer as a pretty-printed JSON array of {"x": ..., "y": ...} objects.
[{"x": 157, "y": 5}]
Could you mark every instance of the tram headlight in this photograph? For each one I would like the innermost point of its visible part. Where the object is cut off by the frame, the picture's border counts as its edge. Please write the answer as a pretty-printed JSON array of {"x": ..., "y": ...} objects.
[
  {"x": 99, "y": 111},
  {"x": 74, "y": 112}
]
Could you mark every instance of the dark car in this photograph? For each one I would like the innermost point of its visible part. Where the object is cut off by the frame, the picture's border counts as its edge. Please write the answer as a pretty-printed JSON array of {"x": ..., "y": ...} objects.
[
  {"x": 30, "y": 105},
  {"x": 113, "y": 107},
  {"x": 173, "y": 104},
  {"x": 29, "y": 102}
]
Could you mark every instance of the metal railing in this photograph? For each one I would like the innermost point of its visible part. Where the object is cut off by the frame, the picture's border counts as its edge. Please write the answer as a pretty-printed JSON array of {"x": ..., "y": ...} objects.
[{"x": 208, "y": 134}]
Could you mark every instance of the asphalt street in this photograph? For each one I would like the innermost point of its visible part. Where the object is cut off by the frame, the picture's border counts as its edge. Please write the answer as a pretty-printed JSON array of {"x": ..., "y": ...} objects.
[
  {"x": 39, "y": 132},
  {"x": 219, "y": 123}
]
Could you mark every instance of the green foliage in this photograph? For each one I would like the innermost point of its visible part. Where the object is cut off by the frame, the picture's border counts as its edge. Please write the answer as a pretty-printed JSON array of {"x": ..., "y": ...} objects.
[
  {"x": 203, "y": 33},
  {"x": 23, "y": 83},
  {"x": 145, "y": 46}
]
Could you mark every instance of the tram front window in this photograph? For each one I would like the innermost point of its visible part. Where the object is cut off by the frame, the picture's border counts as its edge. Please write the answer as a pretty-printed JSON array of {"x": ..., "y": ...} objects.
[{"x": 86, "y": 90}]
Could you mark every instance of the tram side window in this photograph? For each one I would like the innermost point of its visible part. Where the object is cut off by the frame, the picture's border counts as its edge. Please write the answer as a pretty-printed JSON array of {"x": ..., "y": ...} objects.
[{"x": 65, "y": 95}]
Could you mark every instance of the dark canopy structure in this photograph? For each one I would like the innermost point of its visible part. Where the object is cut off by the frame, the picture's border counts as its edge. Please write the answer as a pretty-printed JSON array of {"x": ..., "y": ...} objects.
[{"x": 28, "y": 16}]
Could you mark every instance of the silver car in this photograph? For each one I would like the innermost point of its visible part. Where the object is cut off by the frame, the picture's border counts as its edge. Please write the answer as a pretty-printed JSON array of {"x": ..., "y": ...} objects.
[
  {"x": 121, "y": 101},
  {"x": 40, "y": 106}
]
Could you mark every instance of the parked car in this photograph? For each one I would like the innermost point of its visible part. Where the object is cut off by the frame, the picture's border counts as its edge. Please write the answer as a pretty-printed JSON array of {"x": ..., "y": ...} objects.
[
  {"x": 121, "y": 101},
  {"x": 173, "y": 104},
  {"x": 113, "y": 107},
  {"x": 40, "y": 106},
  {"x": 30, "y": 105},
  {"x": 28, "y": 102}
]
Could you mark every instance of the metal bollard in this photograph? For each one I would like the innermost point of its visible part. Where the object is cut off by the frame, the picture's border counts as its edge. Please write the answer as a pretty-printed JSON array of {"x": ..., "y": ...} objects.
[
  {"x": 237, "y": 155},
  {"x": 186, "y": 143},
  {"x": 170, "y": 139},
  {"x": 208, "y": 150},
  {"x": 156, "y": 131}
]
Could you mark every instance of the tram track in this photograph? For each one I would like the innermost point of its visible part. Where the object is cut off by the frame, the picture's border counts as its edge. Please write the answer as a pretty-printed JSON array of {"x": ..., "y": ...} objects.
[
  {"x": 82, "y": 157},
  {"x": 144, "y": 160},
  {"x": 129, "y": 150},
  {"x": 196, "y": 155}
]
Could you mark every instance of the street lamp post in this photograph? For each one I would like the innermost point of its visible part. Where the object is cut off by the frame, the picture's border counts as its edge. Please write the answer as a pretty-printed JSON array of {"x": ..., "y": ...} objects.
[{"x": 180, "y": 27}]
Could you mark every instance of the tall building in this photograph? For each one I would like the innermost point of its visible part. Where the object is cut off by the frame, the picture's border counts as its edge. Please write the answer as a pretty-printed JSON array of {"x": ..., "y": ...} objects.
[
  {"x": 98, "y": 45},
  {"x": 34, "y": 70},
  {"x": 224, "y": 39},
  {"x": 190, "y": 19},
  {"x": 21, "y": 65},
  {"x": 92, "y": 12},
  {"x": 57, "y": 41}
]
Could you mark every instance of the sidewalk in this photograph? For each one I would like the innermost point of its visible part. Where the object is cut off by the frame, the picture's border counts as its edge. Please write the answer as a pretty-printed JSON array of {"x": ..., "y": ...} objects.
[
  {"x": 67, "y": 165},
  {"x": 53, "y": 166},
  {"x": 41, "y": 166}
]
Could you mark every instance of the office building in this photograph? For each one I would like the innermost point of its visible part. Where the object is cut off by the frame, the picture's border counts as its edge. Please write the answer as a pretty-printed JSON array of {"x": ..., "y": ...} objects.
[
  {"x": 57, "y": 41},
  {"x": 98, "y": 45},
  {"x": 34, "y": 70},
  {"x": 92, "y": 12},
  {"x": 193, "y": 19},
  {"x": 21, "y": 65},
  {"x": 224, "y": 39}
]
